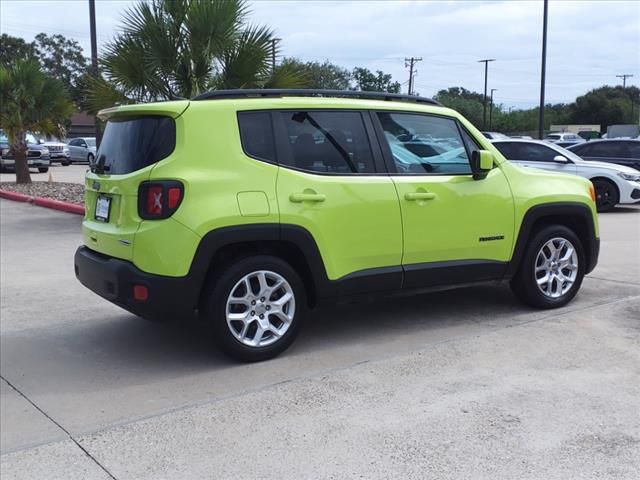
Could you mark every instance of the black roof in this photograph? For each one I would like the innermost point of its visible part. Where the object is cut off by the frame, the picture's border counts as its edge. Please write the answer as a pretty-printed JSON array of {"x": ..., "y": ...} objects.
[{"x": 293, "y": 92}]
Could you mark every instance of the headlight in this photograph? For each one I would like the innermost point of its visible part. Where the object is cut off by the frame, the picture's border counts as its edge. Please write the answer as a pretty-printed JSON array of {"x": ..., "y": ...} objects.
[
  {"x": 5, "y": 151},
  {"x": 65, "y": 149},
  {"x": 45, "y": 151},
  {"x": 632, "y": 177}
]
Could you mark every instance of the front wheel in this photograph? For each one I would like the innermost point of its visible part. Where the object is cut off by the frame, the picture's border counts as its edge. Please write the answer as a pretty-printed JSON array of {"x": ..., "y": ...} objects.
[
  {"x": 43, "y": 169},
  {"x": 552, "y": 268},
  {"x": 607, "y": 196},
  {"x": 255, "y": 306},
  {"x": 90, "y": 158}
]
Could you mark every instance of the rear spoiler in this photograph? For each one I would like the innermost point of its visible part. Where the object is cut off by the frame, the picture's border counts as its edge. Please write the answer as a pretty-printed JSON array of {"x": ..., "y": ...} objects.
[{"x": 170, "y": 109}]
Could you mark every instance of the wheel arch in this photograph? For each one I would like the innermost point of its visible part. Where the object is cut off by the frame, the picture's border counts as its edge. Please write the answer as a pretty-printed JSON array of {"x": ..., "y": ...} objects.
[
  {"x": 573, "y": 215},
  {"x": 293, "y": 244}
]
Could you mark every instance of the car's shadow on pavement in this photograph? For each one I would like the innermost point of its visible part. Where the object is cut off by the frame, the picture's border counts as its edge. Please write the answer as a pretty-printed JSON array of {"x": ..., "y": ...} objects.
[{"x": 128, "y": 342}]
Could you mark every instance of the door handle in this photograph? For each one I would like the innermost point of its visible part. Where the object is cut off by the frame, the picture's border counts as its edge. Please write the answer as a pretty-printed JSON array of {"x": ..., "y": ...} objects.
[
  {"x": 307, "y": 197},
  {"x": 419, "y": 196}
]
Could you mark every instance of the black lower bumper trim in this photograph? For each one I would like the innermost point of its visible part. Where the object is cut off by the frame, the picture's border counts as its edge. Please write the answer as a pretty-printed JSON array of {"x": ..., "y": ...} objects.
[{"x": 113, "y": 279}]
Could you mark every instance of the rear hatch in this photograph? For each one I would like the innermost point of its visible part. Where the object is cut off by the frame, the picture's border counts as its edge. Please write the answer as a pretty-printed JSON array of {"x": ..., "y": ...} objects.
[{"x": 135, "y": 139}]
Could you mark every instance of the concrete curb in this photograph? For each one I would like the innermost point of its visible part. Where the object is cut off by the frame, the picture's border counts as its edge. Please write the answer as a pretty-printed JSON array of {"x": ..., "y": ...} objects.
[{"x": 43, "y": 202}]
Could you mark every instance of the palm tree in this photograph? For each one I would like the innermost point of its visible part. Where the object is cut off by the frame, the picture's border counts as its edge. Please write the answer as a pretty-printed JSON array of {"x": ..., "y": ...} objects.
[
  {"x": 180, "y": 48},
  {"x": 30, "y": 101}
]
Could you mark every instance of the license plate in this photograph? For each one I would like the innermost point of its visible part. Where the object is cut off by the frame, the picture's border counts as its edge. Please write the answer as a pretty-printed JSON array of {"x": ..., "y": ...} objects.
[{"x": 103, "y": 207}]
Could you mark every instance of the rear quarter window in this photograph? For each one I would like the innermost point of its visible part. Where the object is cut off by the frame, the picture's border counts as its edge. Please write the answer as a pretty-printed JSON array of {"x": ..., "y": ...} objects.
[
  {"x": 256, "y": 135},
  {"x": 132, "y": 143}
]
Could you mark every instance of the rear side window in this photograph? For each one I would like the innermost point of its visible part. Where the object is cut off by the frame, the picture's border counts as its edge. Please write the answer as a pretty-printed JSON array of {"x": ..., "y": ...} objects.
[
  {"x": 425, "y": 144},
  {"x": 507, "y": 149},
  {"x": 328, "y": 142},
  {"x": 256, "y": 133},
  {"x": 132, "y": 143},
  {"x": 602, "y": 149},
  {"x": 632, "y": 150}
]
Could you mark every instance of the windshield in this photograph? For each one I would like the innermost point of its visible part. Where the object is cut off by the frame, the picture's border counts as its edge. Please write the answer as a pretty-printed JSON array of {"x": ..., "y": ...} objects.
[
  {"x": 132, "y": 143},
  {"x": 3, "y": 138},
  {"x": 570, "y": 155}
]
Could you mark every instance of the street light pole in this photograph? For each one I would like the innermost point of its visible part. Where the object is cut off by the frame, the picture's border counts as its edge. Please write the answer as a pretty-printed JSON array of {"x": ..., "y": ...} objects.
[
  {"x": 484, "y": 98},
  {"x": 491, "y": 108},
  {"x": 94, "y": 60},
  {"x": 543, "y": 70}
]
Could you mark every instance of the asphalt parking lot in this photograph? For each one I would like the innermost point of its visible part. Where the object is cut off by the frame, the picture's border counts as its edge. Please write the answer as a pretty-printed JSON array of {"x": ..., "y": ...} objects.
[{"x": 458, "y": 384}]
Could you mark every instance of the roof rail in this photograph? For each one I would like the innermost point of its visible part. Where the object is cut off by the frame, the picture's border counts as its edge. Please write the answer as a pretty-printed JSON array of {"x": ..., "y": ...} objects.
[{"x": 300, "y": 92}]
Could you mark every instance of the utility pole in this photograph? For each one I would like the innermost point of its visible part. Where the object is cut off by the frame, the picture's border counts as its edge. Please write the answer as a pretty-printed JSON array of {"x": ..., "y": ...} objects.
[
  {"x": 491, "y": 108},
  {"x": 484, "y": 98},
  {"x": 410, "y": 62},
  {"x": 624, "y": 79},
  {"x": 273, "y": 53},
  {"x": 94, "y": 59},
  {"x": 543, "y": 70}
]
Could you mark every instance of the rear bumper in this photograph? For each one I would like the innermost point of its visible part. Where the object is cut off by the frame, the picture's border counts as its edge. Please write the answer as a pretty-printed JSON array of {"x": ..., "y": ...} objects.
[{"x": 113, "y": 279}]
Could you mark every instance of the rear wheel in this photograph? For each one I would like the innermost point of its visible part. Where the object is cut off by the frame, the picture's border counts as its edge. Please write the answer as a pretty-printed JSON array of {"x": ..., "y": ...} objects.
[
  {"x": 552, "y": 268},
  {"x": 255, "y": 307},
  {"x": 607, "y": 196}
]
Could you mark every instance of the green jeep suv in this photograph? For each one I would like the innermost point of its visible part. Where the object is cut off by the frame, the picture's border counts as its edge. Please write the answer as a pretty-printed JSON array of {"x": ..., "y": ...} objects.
[{"x": 244, "y": 208}]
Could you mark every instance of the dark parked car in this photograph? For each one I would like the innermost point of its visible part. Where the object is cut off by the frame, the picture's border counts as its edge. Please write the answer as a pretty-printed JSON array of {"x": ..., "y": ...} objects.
[{"x": 623, "y": 151}]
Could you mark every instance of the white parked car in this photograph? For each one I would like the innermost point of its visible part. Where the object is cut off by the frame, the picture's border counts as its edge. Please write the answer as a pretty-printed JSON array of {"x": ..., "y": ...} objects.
[
  {"x": 564, "y": 139},
  {"x": 82, "y": 149},
  {"x": 614, "y": 184}
]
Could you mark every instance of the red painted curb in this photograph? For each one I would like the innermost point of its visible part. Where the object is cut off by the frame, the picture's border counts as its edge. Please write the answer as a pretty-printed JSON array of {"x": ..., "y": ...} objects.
[
  {"x": 43, "y": 202},
  {"x": 59, "y": 205},
  {"x": 15, "y": 196}
]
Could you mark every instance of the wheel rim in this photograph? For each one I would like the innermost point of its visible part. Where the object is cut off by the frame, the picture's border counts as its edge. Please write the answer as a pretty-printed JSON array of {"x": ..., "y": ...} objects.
[
  {"x": 605, "y": 195},
  {"x": 260, "y": 308},
  {"x": 556, "y": 267}
]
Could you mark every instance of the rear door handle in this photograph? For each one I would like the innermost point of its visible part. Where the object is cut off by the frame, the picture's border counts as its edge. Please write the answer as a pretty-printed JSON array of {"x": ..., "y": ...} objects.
[
  {"x": 411, "y": 196},
  {"x": 307, "y": 197}
]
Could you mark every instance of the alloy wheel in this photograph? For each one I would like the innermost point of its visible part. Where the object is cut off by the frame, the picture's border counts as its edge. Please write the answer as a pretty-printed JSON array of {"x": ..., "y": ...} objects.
[
  {"x": 556, "y": 267},
  {"x": 260, "y": 308}
]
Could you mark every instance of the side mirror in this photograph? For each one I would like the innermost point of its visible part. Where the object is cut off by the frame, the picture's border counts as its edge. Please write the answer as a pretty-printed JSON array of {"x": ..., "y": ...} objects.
[
  {"x": 481, "y": 163},
  {"x": 560, "y": 159}
]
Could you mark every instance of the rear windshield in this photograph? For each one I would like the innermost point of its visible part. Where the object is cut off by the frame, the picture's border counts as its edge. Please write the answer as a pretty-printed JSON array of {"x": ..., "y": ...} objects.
[{"x": 132, "y": 143}]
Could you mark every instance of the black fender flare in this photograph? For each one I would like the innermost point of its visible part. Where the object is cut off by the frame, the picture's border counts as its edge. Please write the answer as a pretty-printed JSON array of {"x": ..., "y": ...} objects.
[{"x": 572, "y": 214}]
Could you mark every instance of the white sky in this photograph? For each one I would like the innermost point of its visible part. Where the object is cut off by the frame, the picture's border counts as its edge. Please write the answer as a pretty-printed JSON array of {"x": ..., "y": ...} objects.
[{"x": 589, "y": 42}]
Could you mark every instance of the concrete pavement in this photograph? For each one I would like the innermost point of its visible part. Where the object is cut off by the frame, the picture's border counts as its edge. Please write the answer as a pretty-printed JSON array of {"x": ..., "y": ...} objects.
[
  {"x": 459, "y": 384},
  {"x": 72, "y": 174}
]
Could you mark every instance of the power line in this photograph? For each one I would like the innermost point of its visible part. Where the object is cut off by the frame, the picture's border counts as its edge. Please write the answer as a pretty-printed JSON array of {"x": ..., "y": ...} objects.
[
  {"x": 410, "y": 62},
  {"x": 624, "y": 77}
]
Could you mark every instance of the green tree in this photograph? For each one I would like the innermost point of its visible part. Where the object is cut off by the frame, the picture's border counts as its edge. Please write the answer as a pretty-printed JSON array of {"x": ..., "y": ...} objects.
[
  {"x": 63, "y": 59},
  {"x": 30, "y": 100},
  {"x": 14, "y": 48},
  {"x": 466, "y": 102},
  {"x": 607, "y": 106},
  {"x": 180, "y": 48},
  {"x": 367, "y": 81},
  {"x": 323, "y": 76}
]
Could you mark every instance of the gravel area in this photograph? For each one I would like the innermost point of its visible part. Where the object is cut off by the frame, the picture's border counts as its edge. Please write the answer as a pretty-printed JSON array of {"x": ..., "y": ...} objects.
[{"x": 66, "y": 192}]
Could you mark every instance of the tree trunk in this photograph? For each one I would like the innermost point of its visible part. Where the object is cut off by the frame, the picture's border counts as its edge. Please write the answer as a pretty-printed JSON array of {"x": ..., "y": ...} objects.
[{"x": 21, "y": 166}]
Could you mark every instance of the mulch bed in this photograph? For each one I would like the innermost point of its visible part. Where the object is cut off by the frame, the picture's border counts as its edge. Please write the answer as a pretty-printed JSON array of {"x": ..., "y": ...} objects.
[{"x": 65, "y": 192}]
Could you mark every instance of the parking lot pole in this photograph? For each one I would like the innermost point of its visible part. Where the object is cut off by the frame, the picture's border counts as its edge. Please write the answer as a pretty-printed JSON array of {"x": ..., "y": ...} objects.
[
  {"x": 94, "y": 59},
  {"x": 484, "y": 98},
  {"x": 543, "y": 72}
]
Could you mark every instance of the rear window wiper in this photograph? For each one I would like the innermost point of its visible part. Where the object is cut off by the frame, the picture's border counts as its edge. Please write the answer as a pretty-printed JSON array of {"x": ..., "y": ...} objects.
[{"x": 99, "y": 167}]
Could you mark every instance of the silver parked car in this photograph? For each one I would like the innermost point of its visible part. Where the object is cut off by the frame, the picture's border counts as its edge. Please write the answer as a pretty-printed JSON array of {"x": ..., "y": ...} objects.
[{"x": 82, "y": 149}]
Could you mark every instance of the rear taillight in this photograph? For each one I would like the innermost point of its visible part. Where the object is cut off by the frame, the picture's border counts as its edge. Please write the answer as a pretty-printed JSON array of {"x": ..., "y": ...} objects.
[{"x": 159, "y": 199}]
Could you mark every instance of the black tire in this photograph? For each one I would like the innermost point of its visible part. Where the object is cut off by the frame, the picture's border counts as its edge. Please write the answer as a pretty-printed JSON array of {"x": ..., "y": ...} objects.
[
  {"x": 607, "y": 195},
  {"x": 524, "y": 284},
  {"x": 43, "y": 169},
  {"x": 214, "y": 304},
  {"x": 66, "y": 163},
  {"x": 90, "y": 158}
]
